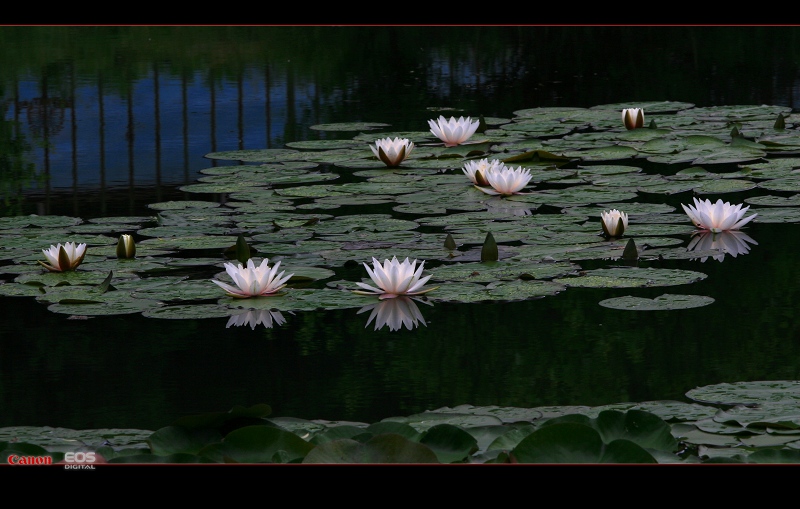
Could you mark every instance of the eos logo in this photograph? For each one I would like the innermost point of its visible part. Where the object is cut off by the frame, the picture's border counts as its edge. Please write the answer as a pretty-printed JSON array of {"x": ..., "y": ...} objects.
[{"x": 80, "y": 457}]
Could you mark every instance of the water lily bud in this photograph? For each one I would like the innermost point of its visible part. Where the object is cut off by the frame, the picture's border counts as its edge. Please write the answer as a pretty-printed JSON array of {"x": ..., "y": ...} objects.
[
  {"x": 126, "y": 247},
  {"x": 614, "y": 222},
  {"x": 780, "y": 122},
  {"x": 633, "y": 118},
  {"x": 450, "y": 242},
  {"x": 242, "y": 249},
  {"x": 489, "y": 252}
]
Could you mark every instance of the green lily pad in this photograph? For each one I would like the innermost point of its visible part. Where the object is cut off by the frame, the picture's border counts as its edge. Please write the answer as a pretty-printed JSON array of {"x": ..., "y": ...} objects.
[
  {"x": 187, "y": 312},
  {"x": 20, "y": 290},
  {"x": 774, "y": 201},
  {"x": 783, "y": 415},
  {"x": 633, "y": 277},
  {"x": 491, "y": 272},
  {"x": 742, "y": 393},
  {"x": 661, "y": 303},
  {"x": 570, "y": 442},
  {"x": 181, "y": 205},
  {"x": 115, "y": 307},
  {"x": 724, "y": 186}
]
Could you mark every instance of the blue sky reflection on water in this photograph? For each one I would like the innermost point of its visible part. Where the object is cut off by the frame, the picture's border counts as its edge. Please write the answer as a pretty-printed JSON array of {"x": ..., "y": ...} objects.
[{"x": 172, "y": 128}]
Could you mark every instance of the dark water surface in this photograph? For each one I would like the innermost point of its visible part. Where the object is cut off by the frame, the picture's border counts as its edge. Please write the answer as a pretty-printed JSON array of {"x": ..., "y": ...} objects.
[{"x": 102, "y": 121}]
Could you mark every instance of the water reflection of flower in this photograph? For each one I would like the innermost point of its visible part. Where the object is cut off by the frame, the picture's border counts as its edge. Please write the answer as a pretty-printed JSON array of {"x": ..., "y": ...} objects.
[
  {"x": 395, "y": 313},
  {"x": 253, "y": 317},
  {"x": 728, "y": 242}
]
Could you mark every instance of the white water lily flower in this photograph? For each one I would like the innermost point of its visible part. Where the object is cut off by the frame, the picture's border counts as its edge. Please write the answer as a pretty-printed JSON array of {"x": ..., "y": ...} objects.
[
  {"x": 252, "y": 281},
  {"x": 253, "y": 317},
  {"x": 394, "y": 279},
  {"x": 64, "y": 258},
  {"x": 126, "y": 247},
  {"x": 728, "y": 242},
  {"x": 476, "y": 171},
  {"x": 506, "y": 181},
  {"x": 392, "y": 152},
  {"x": 614, "y": 222},
  {"x": 395, "y": 313},
  {"x": 717, "y": 217},
  {"x": 453, "y": 132},
  {"x": 633, "y": 118}
]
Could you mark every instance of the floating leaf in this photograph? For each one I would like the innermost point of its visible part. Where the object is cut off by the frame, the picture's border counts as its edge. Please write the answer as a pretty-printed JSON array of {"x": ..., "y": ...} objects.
[
  {"x": 661, "y": 303},
  {"x": 742, "y": 393},
  {"x": 632, "y": 277}
]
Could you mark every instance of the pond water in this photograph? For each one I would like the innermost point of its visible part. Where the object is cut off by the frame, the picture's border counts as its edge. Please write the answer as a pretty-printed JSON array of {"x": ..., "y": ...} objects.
[{"x": 112, "y": 121}]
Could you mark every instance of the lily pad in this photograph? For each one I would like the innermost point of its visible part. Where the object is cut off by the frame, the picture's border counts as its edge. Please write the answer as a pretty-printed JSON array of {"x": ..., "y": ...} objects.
[
  {"x": 187, "y": 312},
  {"x": 742, "y": 393},
  {"x": 662, "y": 303},
  {"x": 632, "y": 277}
]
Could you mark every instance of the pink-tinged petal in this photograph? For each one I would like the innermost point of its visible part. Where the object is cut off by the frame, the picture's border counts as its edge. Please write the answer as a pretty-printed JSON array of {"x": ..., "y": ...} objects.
[
  {"x": 52, "y": 256},
  {"x": 453, "y": 132},
  {"x": 64, "y": 257},
  {"x": 743, "y": 222},
  {"x": 488, "y": 190},
  {"x": 418, "y": 285},
  {"x": 717, "y": 217},
  {"x": 393, "y": 278},
  {"x": 252, "y": 280},
  {"x": 228, "y": 288}
]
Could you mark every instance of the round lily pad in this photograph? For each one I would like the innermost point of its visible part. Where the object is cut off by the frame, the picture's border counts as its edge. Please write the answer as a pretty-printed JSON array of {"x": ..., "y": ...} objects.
[
  {"x": 632, "y": 277},
  {"x": 744, "y": 393},
  {"x": 188, "y": 312},
  {"x": 663, "y": 303}
]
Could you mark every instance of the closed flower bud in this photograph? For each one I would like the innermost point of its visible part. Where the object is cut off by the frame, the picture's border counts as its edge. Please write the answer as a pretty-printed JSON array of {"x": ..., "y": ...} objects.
[
  {"x": 614, "y": 222},
  {"x": 633, "y": 118},
  {"x": 126, "y": 247}
]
